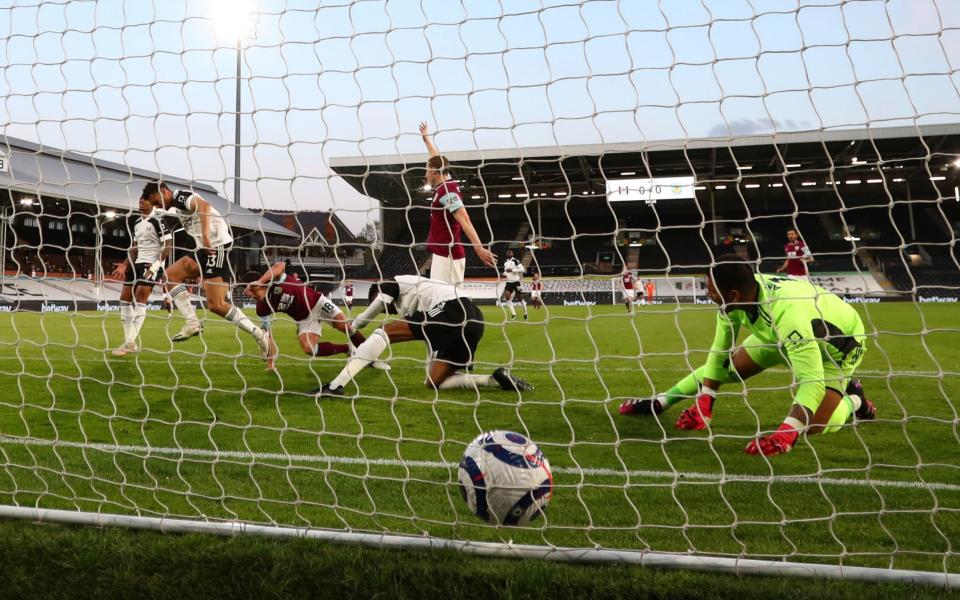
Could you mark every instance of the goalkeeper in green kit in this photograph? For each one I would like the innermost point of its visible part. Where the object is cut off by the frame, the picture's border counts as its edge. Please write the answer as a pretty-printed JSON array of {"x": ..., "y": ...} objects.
[{"x": 791, "y": 322}]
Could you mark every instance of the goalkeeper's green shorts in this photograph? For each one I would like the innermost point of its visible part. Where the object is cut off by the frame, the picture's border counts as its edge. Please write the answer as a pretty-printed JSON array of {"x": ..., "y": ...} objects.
[{"x": 838, "y": 367}]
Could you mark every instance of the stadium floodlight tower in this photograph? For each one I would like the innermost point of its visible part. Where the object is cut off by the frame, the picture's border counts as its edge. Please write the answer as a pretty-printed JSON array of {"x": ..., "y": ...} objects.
[{"x": 236, "y": 21}]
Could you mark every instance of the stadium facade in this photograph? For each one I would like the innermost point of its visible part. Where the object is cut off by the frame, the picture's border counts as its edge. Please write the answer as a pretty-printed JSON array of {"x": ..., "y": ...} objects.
[{"x": 879, "y": 205}]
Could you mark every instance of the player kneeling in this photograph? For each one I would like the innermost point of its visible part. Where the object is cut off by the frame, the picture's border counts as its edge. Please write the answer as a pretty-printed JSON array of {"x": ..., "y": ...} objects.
[
  {"x": 277, "y": 292},
  {"x": 432, "y": 311},
  {"x": 792, "y": 323}
]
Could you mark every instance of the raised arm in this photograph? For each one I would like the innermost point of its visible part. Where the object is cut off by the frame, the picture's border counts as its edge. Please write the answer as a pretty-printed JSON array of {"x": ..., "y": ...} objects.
[{"x": 425, "y": 134}]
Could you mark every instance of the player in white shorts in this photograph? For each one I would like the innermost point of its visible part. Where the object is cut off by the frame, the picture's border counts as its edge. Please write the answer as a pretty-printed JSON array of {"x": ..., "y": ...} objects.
[{"x": 152, "y": 243}]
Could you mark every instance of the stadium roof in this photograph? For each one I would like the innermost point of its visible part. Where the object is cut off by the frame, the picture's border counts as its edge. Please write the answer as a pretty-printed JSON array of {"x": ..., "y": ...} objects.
[
  {"x": 43, "y": 170},
  {"x": 583, "y": 169},
  {"x": 313, "y": 225}
]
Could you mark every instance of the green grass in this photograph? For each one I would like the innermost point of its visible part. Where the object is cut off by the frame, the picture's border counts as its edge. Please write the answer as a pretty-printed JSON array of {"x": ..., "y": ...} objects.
[
  {"x": 66, "y": 562},
  {"x": 657, "y": 488}
]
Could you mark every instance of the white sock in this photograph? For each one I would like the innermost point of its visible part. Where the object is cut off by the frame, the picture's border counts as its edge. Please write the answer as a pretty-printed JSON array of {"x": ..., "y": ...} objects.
[
  {"x": 181, "y": 299},
  {"x": 366, "y": 353},
  {"x": 236, "y": 316},
  {"x": 856, "y": 401},
  {"x": 126, "y": 318},
  {"x": 468, "y": 381},
  {"x": 513, "y": 312},
  {"x": 523, "y": 303},
  {"x": 139, "y": 316}
]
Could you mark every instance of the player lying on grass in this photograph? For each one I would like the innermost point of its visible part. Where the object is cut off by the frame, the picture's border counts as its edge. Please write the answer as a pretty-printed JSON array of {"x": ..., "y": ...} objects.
[
  {"x": 791, "y": 322},
  {"x": 278, "y": 292},
  {"x": 432, "y": 311},
  {"x": 152, "y": 242}
]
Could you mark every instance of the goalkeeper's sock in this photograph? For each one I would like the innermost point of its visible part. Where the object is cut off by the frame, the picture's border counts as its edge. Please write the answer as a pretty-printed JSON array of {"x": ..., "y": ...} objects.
[
  {"x": 126, "y": 319},
  {"x": 181, "y": 299},
  {"x": 236, "y": 316},
  {"x": 328, "y": 349},
  {"x": 468, "y": 382},
  {"x": 689, "y": 386},
  {"x": 139, "y": 316},
  {"x": 369, "y": 351},
  {"x": 842, "y": 413},
  {"x": 513, "y": 312}
]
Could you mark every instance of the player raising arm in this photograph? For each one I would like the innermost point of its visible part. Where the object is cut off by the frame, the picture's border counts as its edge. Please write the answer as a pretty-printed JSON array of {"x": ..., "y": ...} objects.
[
  {"x": 448, "y": 217},
  {"x": 791, "y": 322},
  {"x": 277, "y": 292},
  {"x": 210, "y": 231},
  {"x": 152, "y": 242},
  {"x": 433, "y": 311}
]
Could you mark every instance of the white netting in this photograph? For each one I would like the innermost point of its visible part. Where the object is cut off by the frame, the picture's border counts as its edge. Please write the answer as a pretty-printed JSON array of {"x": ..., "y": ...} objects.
[{"x": 592, "y": 138}]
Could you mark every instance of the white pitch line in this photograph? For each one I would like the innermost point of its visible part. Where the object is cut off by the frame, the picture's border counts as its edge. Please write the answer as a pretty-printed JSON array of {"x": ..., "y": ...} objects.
[
  {"x": 560, "y": 365},
  {"x": 430, "y": 464}
]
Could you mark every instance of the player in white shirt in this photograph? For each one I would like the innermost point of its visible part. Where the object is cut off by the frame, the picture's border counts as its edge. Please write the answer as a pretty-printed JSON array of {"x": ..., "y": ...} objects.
[
  {"x": 433, "y": 311},
  {"x": 513, "y": 275},
  {"x": 212, "y": 235},
  {"x": 152, "y": 242}
]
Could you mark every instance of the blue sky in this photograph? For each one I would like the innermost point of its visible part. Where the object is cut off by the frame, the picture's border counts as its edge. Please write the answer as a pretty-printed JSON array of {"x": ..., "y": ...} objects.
[{"x": 151, "y": 84}]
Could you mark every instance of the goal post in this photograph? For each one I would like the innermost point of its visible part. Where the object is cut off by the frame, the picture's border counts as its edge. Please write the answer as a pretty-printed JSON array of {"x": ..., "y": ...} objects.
[{"x": 814, "y": 142}]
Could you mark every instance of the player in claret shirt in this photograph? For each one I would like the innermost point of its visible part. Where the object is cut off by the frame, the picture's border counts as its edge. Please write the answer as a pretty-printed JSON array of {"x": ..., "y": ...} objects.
[
  {"x": 798, "y": 256},
  {"x": 536, "y": 290},
  {"x": 348, "y": 294},
  {"x": 629, "y": 285},
  {"x": 792, "y": 323},
  {"x": 277, "y": 292},
  {"x": 448, "y": 217}
]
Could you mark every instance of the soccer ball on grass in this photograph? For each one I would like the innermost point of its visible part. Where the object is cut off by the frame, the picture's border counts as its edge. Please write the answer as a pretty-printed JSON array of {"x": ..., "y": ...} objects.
[{"x": 505, "y": 479}]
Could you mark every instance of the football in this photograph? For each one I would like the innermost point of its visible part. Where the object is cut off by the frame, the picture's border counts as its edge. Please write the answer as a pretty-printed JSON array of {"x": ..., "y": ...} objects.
[{"x": 505, "y": 479}]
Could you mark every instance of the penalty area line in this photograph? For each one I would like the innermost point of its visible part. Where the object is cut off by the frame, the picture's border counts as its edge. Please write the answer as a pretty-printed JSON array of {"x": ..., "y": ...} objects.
[{"x": 678, "y": 476}]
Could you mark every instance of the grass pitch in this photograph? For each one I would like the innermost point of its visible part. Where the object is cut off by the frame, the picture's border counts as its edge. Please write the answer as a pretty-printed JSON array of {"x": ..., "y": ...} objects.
[{"x": 199, "y": 430}]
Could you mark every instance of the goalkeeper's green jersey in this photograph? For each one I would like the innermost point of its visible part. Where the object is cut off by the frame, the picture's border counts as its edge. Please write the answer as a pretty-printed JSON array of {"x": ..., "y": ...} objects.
[{"x": 806, "y": 324}]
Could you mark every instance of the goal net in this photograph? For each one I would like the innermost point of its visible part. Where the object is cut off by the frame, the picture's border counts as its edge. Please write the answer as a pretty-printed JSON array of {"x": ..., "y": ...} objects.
[{"x": 596, "y": 141}]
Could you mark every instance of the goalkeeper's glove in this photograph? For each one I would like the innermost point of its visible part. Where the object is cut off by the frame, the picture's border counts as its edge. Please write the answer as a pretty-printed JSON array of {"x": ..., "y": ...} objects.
[
  {"x": 779, "y": 442},
  {"x": 153, "y": 271},
  {"x": 697, "y": 416},
  {"x": 266, "y": 322}
]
